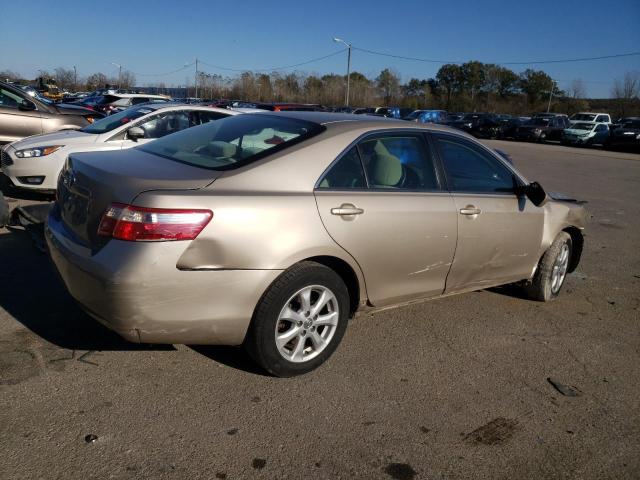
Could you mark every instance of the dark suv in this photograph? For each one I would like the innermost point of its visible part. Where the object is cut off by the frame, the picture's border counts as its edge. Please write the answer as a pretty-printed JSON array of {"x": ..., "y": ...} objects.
[
  {"x": 542, "y": 127},
  {"x": 22, "y": 114}
]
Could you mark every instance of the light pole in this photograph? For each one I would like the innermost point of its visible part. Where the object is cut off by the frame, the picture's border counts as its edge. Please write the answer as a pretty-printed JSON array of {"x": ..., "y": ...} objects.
[
  {"x": 196, "y": 79},
  {"x": 119, "y": 72},
  {"x": 75, "y": 78},
  {"x": 553, "y": 84},
  {"x": 339, "y": 40}
]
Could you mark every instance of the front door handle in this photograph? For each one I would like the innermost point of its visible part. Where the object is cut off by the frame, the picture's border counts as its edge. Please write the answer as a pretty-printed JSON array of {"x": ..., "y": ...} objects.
[
  {"x": 346, "y": 209},
  {"x": 470, "y": 210}
]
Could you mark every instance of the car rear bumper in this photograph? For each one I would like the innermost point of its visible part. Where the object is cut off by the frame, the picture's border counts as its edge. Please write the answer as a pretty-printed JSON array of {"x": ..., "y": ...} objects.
[{"x": 135, "y": 289}]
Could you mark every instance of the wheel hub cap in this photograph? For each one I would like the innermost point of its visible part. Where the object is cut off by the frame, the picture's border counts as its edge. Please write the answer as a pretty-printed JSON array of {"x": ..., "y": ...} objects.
[{"x": 307, "y": 323}]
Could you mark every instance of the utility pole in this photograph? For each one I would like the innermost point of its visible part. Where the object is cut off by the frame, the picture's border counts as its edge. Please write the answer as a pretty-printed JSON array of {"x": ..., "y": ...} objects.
[
  {"x": 339, "y": 40},
  {"x": 119, "y": 73},
  {"x": 75, "y": 78},
  {"x": 196, "y": 79},
  {"x": 553, "y": 84}
]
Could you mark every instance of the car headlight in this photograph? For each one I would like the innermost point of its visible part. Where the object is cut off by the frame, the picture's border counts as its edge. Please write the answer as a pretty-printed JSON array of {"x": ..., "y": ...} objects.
[{"x": 37, "y": 151}]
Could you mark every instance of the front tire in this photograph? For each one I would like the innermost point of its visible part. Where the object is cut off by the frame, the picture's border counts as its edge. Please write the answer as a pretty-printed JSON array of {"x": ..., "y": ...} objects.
[
  {"x": 552, "y": 270},
  {"x": 299, "y": 321}
]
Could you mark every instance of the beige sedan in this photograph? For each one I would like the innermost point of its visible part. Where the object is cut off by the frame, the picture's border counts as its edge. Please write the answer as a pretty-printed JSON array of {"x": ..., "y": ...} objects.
[{"x": 272, "y": 230}]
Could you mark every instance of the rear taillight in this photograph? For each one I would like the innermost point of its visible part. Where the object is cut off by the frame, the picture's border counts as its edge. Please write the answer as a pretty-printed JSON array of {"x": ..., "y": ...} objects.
[{"x": 127, "y": 222}]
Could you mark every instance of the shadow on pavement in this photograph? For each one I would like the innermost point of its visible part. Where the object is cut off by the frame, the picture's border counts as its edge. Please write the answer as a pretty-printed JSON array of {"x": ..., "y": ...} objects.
[
  {"x": 234, "y": 357},
  {"x": 32, "y": 293}
]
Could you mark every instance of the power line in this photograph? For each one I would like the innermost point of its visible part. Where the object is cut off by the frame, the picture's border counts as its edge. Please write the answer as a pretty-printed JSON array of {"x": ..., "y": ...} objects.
[
  {"x": 271, "y": 69},
  {"x": 533, "y": 62},
  {"x": 184, "y": 67}
]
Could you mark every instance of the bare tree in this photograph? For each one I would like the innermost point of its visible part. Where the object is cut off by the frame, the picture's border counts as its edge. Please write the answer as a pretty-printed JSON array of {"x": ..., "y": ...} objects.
[
  {"x": 127, "y": 79},
  {"x": 65, "y": 77},
  {"x": 577, "y": 89},
  {"x": 626, "y": 90}
]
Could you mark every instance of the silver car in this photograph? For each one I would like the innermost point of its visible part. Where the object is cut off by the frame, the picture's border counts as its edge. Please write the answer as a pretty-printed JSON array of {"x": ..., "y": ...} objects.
[
  {"x": 34, "y": 163},
  {"x": 272, "y": 230}
]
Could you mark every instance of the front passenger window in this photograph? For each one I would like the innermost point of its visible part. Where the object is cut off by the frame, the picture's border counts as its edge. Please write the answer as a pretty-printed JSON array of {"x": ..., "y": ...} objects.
[
  {"x": 165, "y": 124},
  {"x": 469, "y": 169},
  {"x": 346, "y": 173}
]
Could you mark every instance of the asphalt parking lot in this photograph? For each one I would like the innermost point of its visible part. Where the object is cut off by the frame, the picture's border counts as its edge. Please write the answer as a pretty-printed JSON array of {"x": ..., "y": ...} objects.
[{"x": 453, "y": 388}]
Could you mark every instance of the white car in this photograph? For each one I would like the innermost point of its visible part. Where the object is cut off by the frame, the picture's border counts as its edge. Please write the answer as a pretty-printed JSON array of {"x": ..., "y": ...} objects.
[
  {"x": 585, "y": 133},
  {"x": 590, "y": 117},
  {"x": 35, "y": 162}
]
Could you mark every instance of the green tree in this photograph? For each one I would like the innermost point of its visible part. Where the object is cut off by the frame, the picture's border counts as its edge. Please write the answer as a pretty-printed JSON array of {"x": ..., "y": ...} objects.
[
  {"x": 389, "y": 85},
  {"x": 449, "y": 78},
  {"x": 536, "y": 85},
  {"x": 473, "y": 75}
]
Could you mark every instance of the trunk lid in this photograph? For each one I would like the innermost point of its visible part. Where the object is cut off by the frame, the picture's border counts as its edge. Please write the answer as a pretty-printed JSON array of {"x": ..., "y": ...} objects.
[{"x": 90, "y": 182}]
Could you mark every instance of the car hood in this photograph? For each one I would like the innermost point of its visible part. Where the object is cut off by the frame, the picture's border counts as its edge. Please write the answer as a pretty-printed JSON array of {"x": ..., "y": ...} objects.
[
  {"x": 574, "y": 131},
  {"x": 63, "y": 137}
]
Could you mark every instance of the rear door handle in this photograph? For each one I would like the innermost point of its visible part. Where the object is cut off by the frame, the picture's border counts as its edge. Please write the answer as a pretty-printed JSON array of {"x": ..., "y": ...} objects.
[
  {"x": 470, "y": 210},
  {"x": 347, "y": 209}
]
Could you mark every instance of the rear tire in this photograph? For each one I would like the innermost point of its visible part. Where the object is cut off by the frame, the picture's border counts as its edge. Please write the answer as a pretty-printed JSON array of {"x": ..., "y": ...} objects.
[
  {"x": 552, "y": 270},
  {"x": 299, "y": 321}
]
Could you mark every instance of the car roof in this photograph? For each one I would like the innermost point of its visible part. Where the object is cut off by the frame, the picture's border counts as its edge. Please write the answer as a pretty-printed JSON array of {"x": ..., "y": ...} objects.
[
  {"x": 180, "y": 106},
  {"x": 135, "y": 95},
  {"x": 348, "y": 121}
]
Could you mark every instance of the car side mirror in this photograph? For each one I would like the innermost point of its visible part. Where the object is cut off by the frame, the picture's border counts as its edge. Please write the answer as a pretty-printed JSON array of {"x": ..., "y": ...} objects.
[
  {"x": 533, "y": 192},
  {"x": 26, "y": 105},
  {"x": 134, "y": 133}
]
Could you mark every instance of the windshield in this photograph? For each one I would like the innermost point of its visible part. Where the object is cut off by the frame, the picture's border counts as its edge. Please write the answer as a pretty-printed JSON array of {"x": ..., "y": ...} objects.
[
  {"x": 582, "y": 126},
  {"x": 114, "y": 121},
  {"x": 585, "y": 117},
  {"x": 234, "y": 141},
  {"x": 540, "y": 121}
]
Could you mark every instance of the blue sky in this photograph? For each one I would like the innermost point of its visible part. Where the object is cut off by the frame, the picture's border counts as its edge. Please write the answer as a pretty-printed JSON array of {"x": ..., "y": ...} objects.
[{"x": 163, "y": 35}]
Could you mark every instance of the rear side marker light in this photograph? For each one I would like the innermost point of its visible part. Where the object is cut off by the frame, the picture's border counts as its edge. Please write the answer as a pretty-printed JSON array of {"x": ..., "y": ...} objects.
[{"x": 131, "y": 223}]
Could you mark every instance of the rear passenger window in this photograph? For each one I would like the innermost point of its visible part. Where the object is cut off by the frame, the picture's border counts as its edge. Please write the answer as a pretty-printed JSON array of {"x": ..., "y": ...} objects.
[
  {"x": 399, "y": 162},
  {"x": 346, "y": 173},
  {"x": 470, "y": 169}
]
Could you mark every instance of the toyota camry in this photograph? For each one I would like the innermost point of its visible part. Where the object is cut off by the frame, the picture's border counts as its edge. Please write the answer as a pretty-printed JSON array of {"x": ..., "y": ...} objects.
[{"x": 272, "y": 230}]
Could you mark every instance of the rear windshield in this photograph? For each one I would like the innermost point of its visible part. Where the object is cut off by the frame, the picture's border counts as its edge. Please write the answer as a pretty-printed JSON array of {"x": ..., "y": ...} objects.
[
  {"x": 583, "y": 116},
  {"x": 112, "y": 122},
  {"x": 543, "y": 121},
  {"x": 234, "y": 141},
  {"x": 632, "y": 124},
  {"x": 582, "y": 126}
]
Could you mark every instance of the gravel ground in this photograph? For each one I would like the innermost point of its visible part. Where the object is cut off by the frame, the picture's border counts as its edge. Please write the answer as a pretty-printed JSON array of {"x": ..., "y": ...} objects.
[{"x": 452, "y": 388}]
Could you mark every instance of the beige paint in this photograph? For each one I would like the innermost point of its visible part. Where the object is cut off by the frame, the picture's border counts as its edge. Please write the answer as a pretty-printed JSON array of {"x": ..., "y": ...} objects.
[{"x": 404, "y": 246}]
